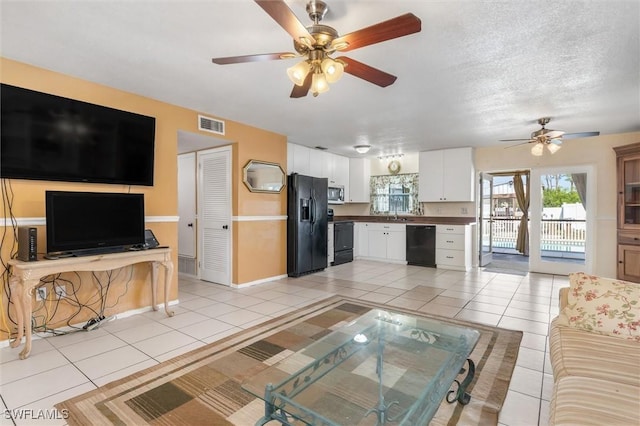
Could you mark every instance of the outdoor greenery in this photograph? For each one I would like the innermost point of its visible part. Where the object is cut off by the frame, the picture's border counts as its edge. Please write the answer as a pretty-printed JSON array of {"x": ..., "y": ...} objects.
[{"x": 555, "y": 191}]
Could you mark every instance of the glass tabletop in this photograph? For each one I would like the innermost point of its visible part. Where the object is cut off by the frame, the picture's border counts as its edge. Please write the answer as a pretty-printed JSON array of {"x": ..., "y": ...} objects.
[{"x": 384, "y": 367}]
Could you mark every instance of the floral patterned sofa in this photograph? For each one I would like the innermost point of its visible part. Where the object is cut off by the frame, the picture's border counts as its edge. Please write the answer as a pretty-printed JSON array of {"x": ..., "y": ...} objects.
[{"x": 595, "y": 353}]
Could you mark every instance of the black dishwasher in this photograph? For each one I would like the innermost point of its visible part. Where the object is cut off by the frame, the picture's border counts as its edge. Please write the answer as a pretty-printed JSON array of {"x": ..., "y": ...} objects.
[
  {"x": 342, "y": 242},
  {"x": 421, "y": 245}
]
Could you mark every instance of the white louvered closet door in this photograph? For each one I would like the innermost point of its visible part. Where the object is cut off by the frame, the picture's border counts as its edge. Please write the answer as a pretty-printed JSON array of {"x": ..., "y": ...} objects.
[{"x": 214, "y": 213}]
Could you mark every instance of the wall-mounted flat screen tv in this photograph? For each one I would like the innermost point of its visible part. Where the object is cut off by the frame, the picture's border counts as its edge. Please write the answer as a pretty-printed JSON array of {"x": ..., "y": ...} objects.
[
  {"x": 48, "y": 137},
  {"x": 90, "y": 222}
]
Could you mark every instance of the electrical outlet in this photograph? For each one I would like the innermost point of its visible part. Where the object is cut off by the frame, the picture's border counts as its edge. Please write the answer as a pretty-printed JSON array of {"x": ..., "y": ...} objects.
[
  {"x": 61, "y": 291},
  {"x": 41, "y": 293},
  {"x": 463, "y": 210}
]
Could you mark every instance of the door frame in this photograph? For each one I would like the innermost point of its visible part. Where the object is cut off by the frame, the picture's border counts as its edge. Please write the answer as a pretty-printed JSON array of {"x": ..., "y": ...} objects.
[
  {"x": 485, "y": 258},
  {"x": 536, "y": 263}
]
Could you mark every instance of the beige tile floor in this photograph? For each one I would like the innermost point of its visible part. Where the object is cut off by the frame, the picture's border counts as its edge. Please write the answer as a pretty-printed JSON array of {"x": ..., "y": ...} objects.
[{"x": 64, "y": 366}]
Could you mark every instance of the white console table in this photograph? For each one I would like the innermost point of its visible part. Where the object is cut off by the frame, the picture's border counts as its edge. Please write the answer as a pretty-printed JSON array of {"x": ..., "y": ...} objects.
[{"x": 25, "y": 276}]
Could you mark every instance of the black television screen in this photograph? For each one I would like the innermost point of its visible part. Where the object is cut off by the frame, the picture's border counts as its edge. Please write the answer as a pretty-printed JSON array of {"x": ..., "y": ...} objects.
[
  {"x": 48, "y": 137},
  {"x": 87, "y": 222}
]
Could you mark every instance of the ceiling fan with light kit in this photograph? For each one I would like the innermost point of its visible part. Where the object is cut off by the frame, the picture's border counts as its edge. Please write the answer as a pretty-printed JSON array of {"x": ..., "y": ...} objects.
[
  {"x": 317, "y": 42},
  {"x": 552, "y": 139}
]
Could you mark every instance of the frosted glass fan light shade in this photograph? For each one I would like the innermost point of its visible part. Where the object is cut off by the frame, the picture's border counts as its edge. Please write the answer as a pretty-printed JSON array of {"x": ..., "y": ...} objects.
[
  {"x": 319, "y": 83},
  {"x": 298, "y": 73},
  {"x": 537, "y": 149},
  {"x": 553, "y": 148},
  {"x": 333, "y": 70},
  {"x": 362, "y": 149}
]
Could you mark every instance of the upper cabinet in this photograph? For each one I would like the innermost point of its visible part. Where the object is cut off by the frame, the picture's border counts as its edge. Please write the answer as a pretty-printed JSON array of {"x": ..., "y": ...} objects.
[
  {"x": 359, "y": 176},
  {"x": 316, "y": 163},
  {"x": 447, "y": 175},
  {"x": 628, "y": 158},
  {"x": 341, "y": 173},
  {"x": 301, "y": 159},
  {"x": 628, "y": 168}
]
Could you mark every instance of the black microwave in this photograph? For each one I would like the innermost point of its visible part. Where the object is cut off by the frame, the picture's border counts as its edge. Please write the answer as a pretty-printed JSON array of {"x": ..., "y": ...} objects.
[{"x": 335, "y": 194}]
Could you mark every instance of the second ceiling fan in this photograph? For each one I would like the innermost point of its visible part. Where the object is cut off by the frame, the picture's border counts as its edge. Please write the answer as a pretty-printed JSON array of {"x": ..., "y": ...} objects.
[
  {"x": 552, "y": 139},
  {"x": 317, "y": 42}
]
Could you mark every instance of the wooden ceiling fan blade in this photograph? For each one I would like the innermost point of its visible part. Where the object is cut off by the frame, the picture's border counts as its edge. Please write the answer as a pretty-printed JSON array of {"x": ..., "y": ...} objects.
[
  {"x": 553, "y": 134},
  {"x": 253, "y": 58},
  {"x": 580, "y": 135},
  {"x": 301, "y": 91},
  {"x": 366, "y": 72},
  {"x": 518, "y": 144},
  {"x": 393, "y": 28},
  {"x": 281, "y": 13}
]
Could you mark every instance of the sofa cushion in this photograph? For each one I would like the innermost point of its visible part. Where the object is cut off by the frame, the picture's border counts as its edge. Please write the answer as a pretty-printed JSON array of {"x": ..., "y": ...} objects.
[
  {"x": 574, "y": 352},
  {"x": 603, "y": 305},
  {"x": 587, "y": 401}
]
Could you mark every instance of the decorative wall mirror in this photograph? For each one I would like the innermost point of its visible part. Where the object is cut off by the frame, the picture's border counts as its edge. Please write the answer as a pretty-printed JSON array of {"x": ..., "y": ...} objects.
[{"x": 261, "y": 176}]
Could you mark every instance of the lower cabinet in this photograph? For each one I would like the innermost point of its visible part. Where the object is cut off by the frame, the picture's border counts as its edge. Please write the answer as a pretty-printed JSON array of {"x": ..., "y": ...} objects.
[
  {"x": 380, "y": 241},
  {"x": 453, "y": 247},
  {"x": 388, "y": 242},
  {"x": 629, "y": 262},
  {"x": 330, "y": 245}
]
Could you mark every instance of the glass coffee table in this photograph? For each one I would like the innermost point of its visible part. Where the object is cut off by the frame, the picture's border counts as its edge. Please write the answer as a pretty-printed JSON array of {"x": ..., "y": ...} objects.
[{"x": 382, "y": 368}]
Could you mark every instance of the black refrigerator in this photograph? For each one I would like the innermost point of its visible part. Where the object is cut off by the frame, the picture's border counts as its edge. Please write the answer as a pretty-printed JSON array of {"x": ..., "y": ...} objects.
[{"x": 306, "y": 224}]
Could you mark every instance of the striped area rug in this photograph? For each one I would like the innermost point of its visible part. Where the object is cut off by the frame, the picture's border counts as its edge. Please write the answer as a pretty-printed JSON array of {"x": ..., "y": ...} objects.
[{"x": 204, "y": 385}]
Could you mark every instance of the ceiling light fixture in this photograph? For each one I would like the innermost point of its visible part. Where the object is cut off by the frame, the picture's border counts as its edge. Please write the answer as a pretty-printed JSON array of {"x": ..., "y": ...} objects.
[
  {"x": 362, "y": 149},
  {"x": 537, "y": 149},
  {"x": 552, "y": 145},
  {"x": 324, "y": 70},
  {"x": 390, "y": 157}
]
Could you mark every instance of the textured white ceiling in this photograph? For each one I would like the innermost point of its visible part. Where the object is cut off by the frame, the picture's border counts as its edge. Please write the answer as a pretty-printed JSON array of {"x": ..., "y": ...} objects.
[{"x": 478, "y": 72}]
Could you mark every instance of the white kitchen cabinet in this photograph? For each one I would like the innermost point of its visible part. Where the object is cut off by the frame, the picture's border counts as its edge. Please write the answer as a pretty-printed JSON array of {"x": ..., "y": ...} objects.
[
  {"x": 330, "y": 244},
  {"x": 377, "y": 243},
  {"x": 397, "y": 243},
  {"x": 298, "y": 159},
  {"x": 316, "y": 159},
  {"x": 383, "y": 242},
  {"x": 290, "y": 149},
  {"x": 359, "y": 177},
  {"x": 446, "y": 175},
  {"x": 361, "y": 240},
  {"x": 341, "y": 171},
  {"x": 328, "y": 163},
  {"x": 453, "y": 247}
]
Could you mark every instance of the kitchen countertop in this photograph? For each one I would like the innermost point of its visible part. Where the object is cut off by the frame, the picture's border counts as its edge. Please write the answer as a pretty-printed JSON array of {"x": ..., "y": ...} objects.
[{"x": 426, "y": 220}]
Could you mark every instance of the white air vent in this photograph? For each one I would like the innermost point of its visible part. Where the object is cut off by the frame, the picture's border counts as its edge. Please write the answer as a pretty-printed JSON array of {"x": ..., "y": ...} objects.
[
  {"x": 187, "y": 265},
  {"x": 208, "y": 124}
]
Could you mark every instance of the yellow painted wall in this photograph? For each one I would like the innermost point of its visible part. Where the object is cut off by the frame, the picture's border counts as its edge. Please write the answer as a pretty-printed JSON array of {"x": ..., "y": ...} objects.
[
  {"x": 597, "y": 151},
  {"x": 132, "y": 290}
]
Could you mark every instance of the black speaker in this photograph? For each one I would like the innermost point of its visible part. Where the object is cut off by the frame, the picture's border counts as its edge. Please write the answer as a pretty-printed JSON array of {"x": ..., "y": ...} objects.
[{"x": 27, "y": 243}]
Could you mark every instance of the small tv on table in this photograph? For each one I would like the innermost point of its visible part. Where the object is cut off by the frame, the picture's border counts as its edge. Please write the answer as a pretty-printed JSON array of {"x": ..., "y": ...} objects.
[{"x": 85, "y": 223}]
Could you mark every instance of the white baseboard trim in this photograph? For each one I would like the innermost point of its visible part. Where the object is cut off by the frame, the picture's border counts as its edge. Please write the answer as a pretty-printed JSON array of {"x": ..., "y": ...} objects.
[
  {"x": 121, "y": 315},
  {"x": 257, "y": 282}
]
